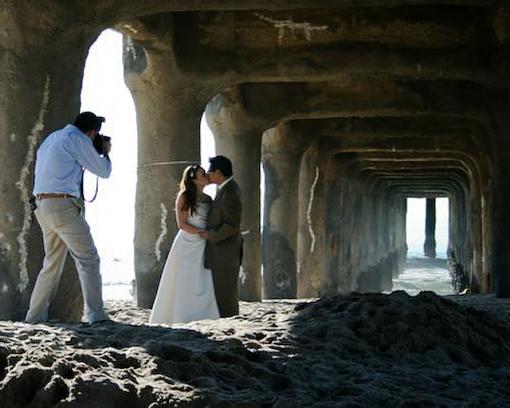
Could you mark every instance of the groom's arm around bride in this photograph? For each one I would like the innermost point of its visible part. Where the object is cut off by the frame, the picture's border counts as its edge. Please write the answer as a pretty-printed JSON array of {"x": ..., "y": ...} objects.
[{"x": 223, "y": 249}]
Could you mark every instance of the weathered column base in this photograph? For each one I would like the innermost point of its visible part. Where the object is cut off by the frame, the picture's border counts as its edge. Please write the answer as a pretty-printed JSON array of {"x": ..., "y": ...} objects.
[
  {"x": 460, "y": 279},
  {"x": 429, "y": 249}
]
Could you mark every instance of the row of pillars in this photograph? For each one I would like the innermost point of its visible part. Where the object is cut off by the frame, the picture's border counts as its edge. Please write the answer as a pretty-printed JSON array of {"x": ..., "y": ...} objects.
[
  {"x": 303, "y": 250},
  {"x": 308, "y": 248},
  {"x": 324, "y": 230}
]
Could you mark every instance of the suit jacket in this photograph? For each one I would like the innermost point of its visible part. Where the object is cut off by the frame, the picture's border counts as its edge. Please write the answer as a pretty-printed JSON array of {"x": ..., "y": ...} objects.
[{"x": 223, "y": 248}]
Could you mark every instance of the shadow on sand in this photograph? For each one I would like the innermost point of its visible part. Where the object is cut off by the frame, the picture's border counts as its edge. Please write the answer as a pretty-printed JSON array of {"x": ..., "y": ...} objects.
[{"x": 357, "y": 350}]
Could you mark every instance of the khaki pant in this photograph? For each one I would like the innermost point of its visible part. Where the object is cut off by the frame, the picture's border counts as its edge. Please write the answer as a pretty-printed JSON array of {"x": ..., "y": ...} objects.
[{"x": 64, "y": 229}]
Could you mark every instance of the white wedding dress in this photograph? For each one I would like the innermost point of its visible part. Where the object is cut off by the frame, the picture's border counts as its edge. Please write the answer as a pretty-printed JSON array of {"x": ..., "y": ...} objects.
[{"x": 186, "y": 291}]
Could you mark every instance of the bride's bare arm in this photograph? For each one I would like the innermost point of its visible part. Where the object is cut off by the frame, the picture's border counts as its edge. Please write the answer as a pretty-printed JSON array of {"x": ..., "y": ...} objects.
[{"x": 181, "y": 216}]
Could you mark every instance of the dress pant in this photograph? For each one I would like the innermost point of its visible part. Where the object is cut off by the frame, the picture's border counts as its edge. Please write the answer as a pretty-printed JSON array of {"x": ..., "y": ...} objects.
[
  {"x": 226, "y": 290},
  {"x": 65, "y": 229}
]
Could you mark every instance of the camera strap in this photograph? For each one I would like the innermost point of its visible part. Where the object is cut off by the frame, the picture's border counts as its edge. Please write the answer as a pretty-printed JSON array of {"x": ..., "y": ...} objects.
[{"x": 82, "y": 190}]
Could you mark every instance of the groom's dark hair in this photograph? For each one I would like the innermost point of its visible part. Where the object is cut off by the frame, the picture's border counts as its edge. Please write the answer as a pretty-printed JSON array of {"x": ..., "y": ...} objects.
[{"x": 222, "y": 164}]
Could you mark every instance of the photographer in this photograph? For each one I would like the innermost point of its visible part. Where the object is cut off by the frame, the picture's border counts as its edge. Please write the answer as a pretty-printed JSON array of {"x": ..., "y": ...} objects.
[{"x": 60, "y": 162}]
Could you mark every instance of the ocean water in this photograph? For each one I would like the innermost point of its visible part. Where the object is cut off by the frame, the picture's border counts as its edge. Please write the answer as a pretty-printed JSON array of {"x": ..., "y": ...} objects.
[
  {"x": 111, "y": 215},
  {"x": 422, "y": 273}
]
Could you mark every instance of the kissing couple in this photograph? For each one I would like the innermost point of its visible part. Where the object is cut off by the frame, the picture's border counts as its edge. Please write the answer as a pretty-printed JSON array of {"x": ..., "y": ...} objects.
[{"x": 199, "y": 280}]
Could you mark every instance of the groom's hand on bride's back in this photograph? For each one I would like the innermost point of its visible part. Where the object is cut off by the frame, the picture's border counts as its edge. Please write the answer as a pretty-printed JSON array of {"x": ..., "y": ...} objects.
[{"x": 204, "y": 234}]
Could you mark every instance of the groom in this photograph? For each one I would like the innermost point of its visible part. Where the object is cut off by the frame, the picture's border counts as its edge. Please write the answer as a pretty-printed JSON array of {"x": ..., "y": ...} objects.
[{"x": 223, "y": 248}]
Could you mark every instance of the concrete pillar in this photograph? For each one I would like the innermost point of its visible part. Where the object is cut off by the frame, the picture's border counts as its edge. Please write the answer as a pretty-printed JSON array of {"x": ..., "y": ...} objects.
[
  {"x": 168, "y": 109},
  {"x": 429, "y": 248},
  {"x": 476, "y": 283},
  {"x": 311, "y": 222},
  {"x": 281, "y": 156},
  {"x": 498, "y": 106},
  {"x": 401, "y": 233},
  {"x": 486, "y": 198},
  {"x": 385, "y": 258},
  {"x": 342, "y": 227},
  {"x": 479, "y": 282},
  {"x": 40, "y": 85},
  {"x": 396, "y": 233},
  {"x": 459, "y": 247},
  {"x": 241, "y": 141},
  {"x": 371, "y": 275}
]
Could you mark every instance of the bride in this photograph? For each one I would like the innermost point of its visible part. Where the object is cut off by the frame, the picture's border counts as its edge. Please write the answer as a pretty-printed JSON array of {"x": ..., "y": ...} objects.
[{"x": 186, "y": 291}]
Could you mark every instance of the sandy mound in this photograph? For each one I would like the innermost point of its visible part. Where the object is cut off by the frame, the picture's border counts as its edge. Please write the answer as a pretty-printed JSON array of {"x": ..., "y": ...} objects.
[
  {"x": 352, "y": 351},
  {"x": 401, "y": 326}
]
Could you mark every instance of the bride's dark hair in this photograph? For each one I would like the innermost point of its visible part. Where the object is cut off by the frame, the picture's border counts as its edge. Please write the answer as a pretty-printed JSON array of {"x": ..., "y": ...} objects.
[{"x": 189, "y": 188}]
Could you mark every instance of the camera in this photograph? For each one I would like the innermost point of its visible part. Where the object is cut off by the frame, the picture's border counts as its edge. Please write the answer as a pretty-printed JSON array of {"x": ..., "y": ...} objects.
[{"x": 99, "y": 142}]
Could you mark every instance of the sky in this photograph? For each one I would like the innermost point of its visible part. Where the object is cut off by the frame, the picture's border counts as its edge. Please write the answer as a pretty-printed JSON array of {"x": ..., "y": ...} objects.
[{"x": 111, "y": 215}]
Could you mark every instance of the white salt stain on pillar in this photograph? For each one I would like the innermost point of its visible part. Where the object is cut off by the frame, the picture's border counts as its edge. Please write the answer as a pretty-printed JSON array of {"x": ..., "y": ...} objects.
[
  {"x": 130, "y": 28},
  {"x": 309, "y": 210},
  {"x": 292, "y": 27},
  {"x": 130, "y": 47},
  {"x": 163, "y": 232},
  {"x": 242, "y": 275},
  {"x": 24, "y": 186},
  {"x": 4, "y": 246}
]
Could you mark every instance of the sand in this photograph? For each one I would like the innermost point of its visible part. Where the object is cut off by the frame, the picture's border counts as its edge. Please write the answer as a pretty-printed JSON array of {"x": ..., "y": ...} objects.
[{"x": 348, "y": 351}]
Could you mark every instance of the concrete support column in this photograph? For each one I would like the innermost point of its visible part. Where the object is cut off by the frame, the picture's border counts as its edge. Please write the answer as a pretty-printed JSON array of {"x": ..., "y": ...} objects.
[
  {"x": 281, "y": 156},
  {"x": 460, "y": 246},
  {"x": 385, "y": 257},
  {"x": 359, "y": 217},
  {"x": 498, "y": 106},
  {"x": 242, "y": 144},
  {"x": 429, "y": 248},
  {"x": 311, "y": 222},
  {"x": 478, "y": 282},
  {"x": 486, "y": 236},
  {"x": 374, "y": 274},
  {"x": 169, "y": 110},
  {"x": 168, "y": 141},
  {"x": 341, "y": 235},
  {"x": 400, "y": 210},
  {"x": 39, "y": 92},
  {"x": 395, "y": 231}
]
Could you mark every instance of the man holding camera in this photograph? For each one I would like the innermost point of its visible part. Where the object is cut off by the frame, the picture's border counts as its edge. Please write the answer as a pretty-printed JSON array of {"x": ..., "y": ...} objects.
[{"x": 60, "y": 162}]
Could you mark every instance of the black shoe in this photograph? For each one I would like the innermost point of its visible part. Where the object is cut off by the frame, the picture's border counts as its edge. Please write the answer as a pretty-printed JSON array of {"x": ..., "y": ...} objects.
[{"x": 101, "y": 322}]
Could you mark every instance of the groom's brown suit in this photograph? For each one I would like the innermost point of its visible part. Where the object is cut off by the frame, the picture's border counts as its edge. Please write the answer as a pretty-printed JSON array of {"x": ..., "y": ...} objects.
[{"x": 223, "y": 248}]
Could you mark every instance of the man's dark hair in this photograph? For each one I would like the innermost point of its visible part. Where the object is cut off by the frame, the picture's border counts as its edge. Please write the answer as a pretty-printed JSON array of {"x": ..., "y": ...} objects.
[
  {"x": 222, "y": 164},
  {"x": 86, "y": 121}
]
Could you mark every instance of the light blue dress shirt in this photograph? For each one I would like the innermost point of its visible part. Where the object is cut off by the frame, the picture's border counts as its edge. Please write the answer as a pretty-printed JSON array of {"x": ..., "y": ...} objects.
[{"x": 61, "y": 159}]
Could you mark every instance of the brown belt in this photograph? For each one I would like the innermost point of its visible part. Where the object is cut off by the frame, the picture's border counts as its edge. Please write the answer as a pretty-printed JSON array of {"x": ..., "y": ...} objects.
[{"x": 53, "y": 195}]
